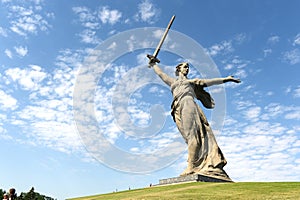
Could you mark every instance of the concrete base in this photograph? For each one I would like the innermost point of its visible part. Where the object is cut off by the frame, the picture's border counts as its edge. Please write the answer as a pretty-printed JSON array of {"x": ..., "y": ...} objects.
[{"x": 191, "y": 178}]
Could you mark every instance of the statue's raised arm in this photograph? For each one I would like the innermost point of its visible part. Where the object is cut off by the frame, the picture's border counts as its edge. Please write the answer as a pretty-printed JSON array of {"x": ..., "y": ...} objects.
[{"x": 167, "y": 79}]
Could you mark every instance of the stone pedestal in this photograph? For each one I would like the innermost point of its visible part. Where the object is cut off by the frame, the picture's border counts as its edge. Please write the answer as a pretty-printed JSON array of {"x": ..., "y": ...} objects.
[{"x": 191, "y": 178}]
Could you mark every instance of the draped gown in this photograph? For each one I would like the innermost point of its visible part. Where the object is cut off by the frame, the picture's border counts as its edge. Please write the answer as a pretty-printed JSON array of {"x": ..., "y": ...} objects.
[{"x": 204, "y": 155}]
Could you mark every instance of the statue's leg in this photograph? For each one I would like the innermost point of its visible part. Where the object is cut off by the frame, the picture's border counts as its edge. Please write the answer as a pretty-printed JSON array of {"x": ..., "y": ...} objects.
[{"x": 193, "y": 148}]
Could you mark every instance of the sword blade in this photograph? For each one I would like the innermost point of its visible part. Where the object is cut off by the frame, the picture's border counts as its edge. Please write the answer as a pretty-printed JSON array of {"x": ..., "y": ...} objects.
[{"x": 163, "y": 37}]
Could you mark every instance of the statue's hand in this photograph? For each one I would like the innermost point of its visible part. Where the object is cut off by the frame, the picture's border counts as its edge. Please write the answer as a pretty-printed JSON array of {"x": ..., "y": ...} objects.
[
  {"x": 152, "y": 60},
  {"x": 232, "y": 79},
  {"x": 151, "y": 63}
]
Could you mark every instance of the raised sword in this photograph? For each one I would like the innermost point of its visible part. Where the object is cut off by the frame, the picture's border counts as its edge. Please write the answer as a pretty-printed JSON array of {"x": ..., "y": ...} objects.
[{"x": 153, "y": 57}]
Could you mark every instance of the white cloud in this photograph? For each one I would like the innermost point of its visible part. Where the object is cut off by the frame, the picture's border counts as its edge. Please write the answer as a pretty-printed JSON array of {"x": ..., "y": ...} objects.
[
  {"x": 147, "y": 12},
  {"x": 28, "y": 20},
  {"x": 28, "y": 78},
  {"x": 89, "y": 36},
  {"x": 7, "y": 101},
  {"x": 228, "y": 66},
  {"x": 90, "y": 19},
  {"x": 61, "y": 136},
  {"x": 46, "y": 118},
  {"x": 240, "y": 38},
  {"x": 273, "y": 110},
  {"x": 253, "y": 113},
  {"x": 109, "y": 16},
  {"x": 222, "y": 48},
  {"x": 293, "y": 115},
  {"x": 296, "y": 92},
  {"x": 113, "y": 46},
  {"x": 87, "y": 17},
  {"x": 297, "y": 39},
  {"x": 142, "y": 59},
  {"x": 267, "y": 52},
  {"x": 288, "y": 90},
  {"x": 292, "y": 57},
  {"x": 273, "y": 39},
  {"x": 79, "y": 10},
  {"x": 8, "y": 53},
  {"x": 256, "y": 144},
  {"x": 21, "y": 51},
  {"x": 158, "y": 34},
  {"x": 241, "y": 73},
  {"x": 3, "y": 32}
]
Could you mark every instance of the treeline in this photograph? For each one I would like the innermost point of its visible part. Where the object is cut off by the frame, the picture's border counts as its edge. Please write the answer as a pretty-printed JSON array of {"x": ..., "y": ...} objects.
[{"x": 31, "y": 195}]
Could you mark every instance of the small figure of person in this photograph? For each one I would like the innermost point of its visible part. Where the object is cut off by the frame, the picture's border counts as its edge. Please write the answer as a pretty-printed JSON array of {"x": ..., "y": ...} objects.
[
  {"x": 204, "y": 155},
  {"x": 5, "y": 197},
  {"x": 12, "y": 194}
]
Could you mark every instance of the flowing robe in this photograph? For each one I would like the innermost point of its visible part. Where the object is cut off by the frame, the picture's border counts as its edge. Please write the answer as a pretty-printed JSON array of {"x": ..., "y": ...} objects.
[{"x": 203, "y": 151}]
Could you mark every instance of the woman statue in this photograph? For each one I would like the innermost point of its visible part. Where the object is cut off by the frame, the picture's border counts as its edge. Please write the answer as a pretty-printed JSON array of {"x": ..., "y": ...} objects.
[{"x": 204, "y": 154}]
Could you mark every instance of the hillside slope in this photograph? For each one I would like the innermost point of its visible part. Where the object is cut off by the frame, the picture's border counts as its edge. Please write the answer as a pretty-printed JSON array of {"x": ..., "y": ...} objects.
[{"x": 200, "y": 190}]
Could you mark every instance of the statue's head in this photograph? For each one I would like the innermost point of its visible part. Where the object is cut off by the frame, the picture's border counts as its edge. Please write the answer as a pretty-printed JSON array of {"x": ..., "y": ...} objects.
[{"x": 182, "y": 67}]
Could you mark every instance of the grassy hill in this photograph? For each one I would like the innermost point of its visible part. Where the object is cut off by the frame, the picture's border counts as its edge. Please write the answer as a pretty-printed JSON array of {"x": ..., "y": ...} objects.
[{"x": 206, "y": 191}]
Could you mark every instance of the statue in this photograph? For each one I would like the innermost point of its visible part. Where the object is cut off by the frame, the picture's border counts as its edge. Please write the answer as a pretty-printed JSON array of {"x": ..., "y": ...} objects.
[{"x": 204, "y": 155}]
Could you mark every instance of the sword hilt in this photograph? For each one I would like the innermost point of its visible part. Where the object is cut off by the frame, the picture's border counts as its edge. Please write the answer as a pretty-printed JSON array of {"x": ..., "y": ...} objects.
[{"x": 153, "y": 59}]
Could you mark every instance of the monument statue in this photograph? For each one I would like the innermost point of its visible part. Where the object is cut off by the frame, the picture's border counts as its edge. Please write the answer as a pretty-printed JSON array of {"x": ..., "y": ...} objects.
[{"x": 204, "y": 155}]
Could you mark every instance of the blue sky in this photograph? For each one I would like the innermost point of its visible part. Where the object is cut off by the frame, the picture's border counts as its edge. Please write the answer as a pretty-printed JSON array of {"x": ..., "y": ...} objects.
[{"x": 71, "y": 119}]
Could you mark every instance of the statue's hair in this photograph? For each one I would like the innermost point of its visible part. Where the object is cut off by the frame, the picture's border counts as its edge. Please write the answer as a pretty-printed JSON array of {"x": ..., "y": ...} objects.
[{"x": 178, "y": 68}]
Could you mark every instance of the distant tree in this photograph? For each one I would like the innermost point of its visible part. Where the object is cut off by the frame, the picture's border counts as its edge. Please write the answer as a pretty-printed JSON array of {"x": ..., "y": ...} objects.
[
  {"x": 2, "y": 192},
  {"x": 31, "y": 195}
]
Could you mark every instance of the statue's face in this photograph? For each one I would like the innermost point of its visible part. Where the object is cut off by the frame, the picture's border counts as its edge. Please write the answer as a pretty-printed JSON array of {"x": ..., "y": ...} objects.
[{"x": 184, "y": 68}]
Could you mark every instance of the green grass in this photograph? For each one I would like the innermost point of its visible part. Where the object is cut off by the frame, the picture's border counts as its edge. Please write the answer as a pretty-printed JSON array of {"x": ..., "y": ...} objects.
[{"x": 206, "y": 191}]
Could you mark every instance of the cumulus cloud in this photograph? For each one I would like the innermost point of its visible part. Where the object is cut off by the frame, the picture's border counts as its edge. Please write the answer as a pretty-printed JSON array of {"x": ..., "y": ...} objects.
[
  {"x": 297, "y": 39},
  {"x": 262, "y": 140},
  {"x": 221, "y": 48},
  {"x": 87, "y": 17},
  {"x": 295, "y": 114},
  {"x": 7, "y": 101},
  {"x": 21, "y": 51},
  {"x": 28, "y": 78},
  {"x": 253, "y": 113},
  {"x": 296, "y": 92},
  {"x": 8, "y": 53},
  {"x": 147, "y": 12},
  {"x": 240, "y": 38},
  {"x": 109, "y": 16},
  {"x": 3, "y": 32},
  {"x": 89, "y": 37},
  {"x": 292, "y": 57},
  {"x": 27, "y": 20},
  {"x": 45, "y": 113},
  {"x": 273, "y": 39},
  {"x": 90, "y": 18},
  {"x": 267, "y": 52},
  {"x": 237, "y": 67}
]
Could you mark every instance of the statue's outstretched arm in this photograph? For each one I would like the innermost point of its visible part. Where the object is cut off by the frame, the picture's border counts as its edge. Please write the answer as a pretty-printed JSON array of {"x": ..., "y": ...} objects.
[{"x": 217, "y": 81}]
